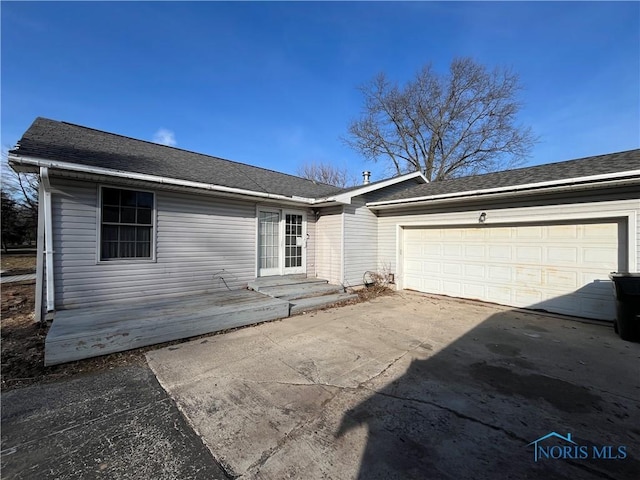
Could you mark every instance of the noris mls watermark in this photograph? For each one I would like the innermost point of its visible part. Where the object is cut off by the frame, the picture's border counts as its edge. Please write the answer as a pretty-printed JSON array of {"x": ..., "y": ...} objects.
[{"x": 564, "y": 447}]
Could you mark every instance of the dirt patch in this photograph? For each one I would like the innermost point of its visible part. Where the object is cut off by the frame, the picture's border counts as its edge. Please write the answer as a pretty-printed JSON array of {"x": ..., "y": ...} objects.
[
  {"x": 23, "y": 344},
  {"x": 372, "y": 291}
]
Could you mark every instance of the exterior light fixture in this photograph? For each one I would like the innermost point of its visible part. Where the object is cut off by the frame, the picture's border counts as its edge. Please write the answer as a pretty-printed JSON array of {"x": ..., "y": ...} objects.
[{"x": 483, "y": 217}]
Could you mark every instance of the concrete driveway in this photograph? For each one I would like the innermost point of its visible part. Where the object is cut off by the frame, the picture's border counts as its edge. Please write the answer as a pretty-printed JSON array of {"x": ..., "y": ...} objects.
[{"x": 412, "y": 386}]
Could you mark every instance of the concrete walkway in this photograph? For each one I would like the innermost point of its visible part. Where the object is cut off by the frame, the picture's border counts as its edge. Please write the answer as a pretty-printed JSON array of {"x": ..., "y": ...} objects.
[{"x": 409, "y": 386}]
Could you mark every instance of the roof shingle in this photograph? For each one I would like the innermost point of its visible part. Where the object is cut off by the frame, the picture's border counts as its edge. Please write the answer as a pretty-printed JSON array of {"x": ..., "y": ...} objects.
[
  {"x": 582, "y": 167},
  {"x": 71, "y": 143}
]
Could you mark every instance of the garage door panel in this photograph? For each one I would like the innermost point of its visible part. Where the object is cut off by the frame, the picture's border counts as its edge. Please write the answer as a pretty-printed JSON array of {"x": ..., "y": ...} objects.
[
  {"x": 528, "y": 254},
  {"x": 528, "y": 275},
  {"x": 561, "y": 268},
  {"x": 474, "y": 251},
  {"x": 528, "y": 233},
  {"x": 499, "y": 294},
  {"x": 499, "y": 252},
  {"x": 475, "y": 271},
  {"x": 452, "y": 269},
  {"x": 475, "y": 291},
  {"x": 499, "y": 274},
  {"x": 562, "y": 279},
  {"x": 527, "y": 296},
  {"x": 454, "y": 288},
  {"x": 562, "y": 255},
  {"x": 599, "y": 231},
  {"x": 454, "y": 251},
  {"x": 432, "y": 285},
  {"x": 599, "y": 257},
  {"x": 497, "y": 233}
]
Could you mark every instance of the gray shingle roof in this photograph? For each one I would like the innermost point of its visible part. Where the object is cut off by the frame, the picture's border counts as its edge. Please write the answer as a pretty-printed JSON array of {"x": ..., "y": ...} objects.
[
  {"x": 582, "y": 167},
  {"x": 66, "y": 142}
]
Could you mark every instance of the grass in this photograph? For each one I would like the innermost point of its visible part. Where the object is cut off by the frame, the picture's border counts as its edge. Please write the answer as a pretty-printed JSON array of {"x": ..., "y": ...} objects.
[{"x": 18, "y": 264}]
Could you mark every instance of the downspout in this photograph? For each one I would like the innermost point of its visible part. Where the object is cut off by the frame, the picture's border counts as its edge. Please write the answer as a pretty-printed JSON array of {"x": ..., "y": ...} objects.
[
  {"x": 40, "y": 313},
  {"x": 48, "y": 238}
]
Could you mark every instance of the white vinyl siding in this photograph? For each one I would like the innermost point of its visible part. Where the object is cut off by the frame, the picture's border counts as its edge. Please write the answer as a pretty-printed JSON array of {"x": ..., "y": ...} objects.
[
  {"x": 310, "y": 244},
  {"x": 329, "y": 245},
  {"x": 360, "y": 241},
  {"x": 201, "y": 243}
]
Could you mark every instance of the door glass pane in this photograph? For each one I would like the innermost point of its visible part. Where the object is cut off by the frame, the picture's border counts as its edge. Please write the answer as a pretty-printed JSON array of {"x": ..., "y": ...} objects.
[
  {"x": 269, "y": 239},
  {"x": 293, "y": 239}
]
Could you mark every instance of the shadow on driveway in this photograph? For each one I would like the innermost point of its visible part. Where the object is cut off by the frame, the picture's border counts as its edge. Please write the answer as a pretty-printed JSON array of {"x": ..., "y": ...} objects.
[{"x": 471, "y": 410}]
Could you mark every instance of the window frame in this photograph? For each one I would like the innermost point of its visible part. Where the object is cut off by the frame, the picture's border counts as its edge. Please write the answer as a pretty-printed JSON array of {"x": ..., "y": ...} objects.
[{"x": 152, "y": 258}]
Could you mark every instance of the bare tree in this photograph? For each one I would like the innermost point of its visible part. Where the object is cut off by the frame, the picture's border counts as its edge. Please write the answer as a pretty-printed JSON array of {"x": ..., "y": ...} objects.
[
  {"x": 19, "y": 205},
  {"x": 326, "y": 173},
  {"x": 450, "y": 125}
]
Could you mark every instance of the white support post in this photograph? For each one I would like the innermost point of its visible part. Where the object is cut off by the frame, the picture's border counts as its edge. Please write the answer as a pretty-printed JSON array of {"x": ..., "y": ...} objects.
[{"x": 48, "y": 238}]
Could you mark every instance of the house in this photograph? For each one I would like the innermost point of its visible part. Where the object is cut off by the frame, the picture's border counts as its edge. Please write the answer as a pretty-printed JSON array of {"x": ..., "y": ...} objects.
[{"x": 124, "y": 219}]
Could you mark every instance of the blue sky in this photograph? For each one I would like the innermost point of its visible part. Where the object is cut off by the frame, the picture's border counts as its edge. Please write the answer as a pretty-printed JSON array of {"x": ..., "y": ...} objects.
[{"x": 274, "y": 84}]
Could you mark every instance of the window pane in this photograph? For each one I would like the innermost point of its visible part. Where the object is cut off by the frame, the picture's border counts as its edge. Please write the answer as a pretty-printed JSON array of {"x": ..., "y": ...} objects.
[
  {"x": 145, "y": 199},
  {"x": 109, "y": 250},
  {"x": 127, "y": 215},
  {"x": 143, "y": 250},
  {"x": 111, "y": 214},
  {"x": 127, "y": 234},
  {"x": 128, "y": 198},
  {"x": 127, "y": 249},
  {"x": 144, "y": 216},
  {"x": 143, "y": 234},
  {"x": 109, "y": 233},
  {"x": 110, "y": 196}
]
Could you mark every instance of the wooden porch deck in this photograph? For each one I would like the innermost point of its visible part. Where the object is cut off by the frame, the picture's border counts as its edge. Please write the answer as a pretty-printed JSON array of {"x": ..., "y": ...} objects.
[{"x": 81, "y": 333}]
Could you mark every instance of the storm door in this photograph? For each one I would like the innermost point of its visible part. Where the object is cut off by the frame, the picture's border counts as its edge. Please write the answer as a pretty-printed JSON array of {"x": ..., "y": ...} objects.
[{"x": 294, "y": 243}]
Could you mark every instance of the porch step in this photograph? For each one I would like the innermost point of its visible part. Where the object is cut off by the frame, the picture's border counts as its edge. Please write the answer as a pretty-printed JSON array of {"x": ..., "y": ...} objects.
[
  {"x": 315, "y": 303},
  {"x": 301, "y": 290},
  {"x": 280, "y": 281}
]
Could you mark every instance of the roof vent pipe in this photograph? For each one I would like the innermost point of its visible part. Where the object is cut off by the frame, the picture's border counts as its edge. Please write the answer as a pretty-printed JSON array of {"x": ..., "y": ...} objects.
[{"x": 365, "y": 177}]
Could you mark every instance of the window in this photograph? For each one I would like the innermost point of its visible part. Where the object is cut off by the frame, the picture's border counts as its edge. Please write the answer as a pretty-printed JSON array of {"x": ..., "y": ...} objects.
[{"x": 127, "y": 224}]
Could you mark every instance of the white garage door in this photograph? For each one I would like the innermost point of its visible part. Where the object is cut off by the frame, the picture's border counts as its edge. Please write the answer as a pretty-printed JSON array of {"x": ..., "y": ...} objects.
[{"x": 560, "y": 268}]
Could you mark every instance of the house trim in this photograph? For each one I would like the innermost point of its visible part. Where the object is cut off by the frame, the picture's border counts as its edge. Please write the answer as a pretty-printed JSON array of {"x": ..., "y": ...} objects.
[
  {"x": 607, "y": 180},
  {"x": 39, "y": 162},
  {"x": 347, "y": 196},
  {"x": 154, "y": 227}
]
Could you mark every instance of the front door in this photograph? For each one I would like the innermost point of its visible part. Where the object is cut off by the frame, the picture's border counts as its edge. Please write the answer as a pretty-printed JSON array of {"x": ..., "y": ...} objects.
[{"x": 281, "y": 242}]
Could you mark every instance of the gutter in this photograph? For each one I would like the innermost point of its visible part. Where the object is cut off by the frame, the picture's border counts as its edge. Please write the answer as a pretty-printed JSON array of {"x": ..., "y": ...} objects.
[
  {"x": 48, "y": 238},
  {"x": 609, "y": 179},
  {"x": 42, "y": 163}
]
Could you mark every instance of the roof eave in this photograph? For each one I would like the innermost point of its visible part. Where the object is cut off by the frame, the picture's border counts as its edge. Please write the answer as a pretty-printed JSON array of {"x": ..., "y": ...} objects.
[
  {"x": 514, "y": 190},
  {"x": 438, "y": 199},
  {"x": 28, "y": 163},
  {"x": 345, "y": 198}
]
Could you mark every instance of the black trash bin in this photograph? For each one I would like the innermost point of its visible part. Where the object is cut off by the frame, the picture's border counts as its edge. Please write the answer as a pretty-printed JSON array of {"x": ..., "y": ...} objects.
[{"x": 627, "y": 288}]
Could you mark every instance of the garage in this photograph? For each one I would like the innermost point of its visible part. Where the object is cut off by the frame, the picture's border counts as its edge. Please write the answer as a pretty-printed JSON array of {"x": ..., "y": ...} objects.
[{"x": 556, "y": 267}]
